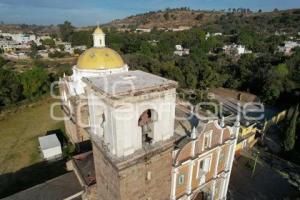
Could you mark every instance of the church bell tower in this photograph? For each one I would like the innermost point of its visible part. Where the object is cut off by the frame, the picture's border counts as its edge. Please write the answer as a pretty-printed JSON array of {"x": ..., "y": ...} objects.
[{"x": 132, "y": 131}]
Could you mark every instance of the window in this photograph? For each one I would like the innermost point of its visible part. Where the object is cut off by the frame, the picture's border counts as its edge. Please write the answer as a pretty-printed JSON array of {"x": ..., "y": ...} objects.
[
  {"x": 221, "y": 157},
  {"x": 181, "y": 179},
  {"x": 203, "y": 167},
  {"x": 207, "y": 164},
  {"x": 147, "y": 122},
  {"x": 102, "y": 120},
  {"x": 207, "y": 140}
]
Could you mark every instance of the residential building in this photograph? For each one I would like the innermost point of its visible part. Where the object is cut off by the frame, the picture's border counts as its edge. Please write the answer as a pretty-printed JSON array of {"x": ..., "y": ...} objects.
[
  {"x": 15, "y": 55},
  {"x": 80, "y": 47},
  {"x": 235, "y": 49},
  {"x": 181, "y": 28},
  {"x": 143, "y": 30},
  {"x": 288, "y": 46},
  {"x": 180, "y": 51},
  {"x": 20, "y": 37}
]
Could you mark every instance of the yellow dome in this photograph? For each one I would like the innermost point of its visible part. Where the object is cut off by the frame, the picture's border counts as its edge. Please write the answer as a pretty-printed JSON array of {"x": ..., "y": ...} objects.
[
  {"x": 98, "y": 30},
  {"x": 100, "y": 58}
]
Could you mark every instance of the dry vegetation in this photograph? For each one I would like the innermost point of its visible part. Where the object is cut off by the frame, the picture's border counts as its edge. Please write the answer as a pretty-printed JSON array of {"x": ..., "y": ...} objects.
[
  {"x": 177, "y": 17},
  {"x": 168, "y": 19}
]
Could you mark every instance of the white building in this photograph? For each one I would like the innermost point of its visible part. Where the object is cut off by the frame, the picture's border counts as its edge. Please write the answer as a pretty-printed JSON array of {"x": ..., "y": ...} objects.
[
  {"x": 12, "y": 41},
  {"x": 16, "y": 56},
  {"x": 235, "y": 49},
  {"x": 20, "y": 37},
  {"x": 80, "y": 47},
  {"x": 180, "y": 51},
  {"x": 143, "y": 30},
  {"x": 181, "y": 28},
  {"x": 208, "y": 35},
  {"x": 288, "y": 47},
  {"x": 50, "y": 147}
]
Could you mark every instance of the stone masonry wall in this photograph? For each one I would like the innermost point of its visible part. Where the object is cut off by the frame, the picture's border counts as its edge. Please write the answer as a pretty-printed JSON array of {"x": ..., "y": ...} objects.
[{"x": 147, "y": 179}]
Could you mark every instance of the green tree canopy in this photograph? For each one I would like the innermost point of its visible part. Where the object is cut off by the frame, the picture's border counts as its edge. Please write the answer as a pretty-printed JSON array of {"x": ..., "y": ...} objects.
[
  {"x": 11, "y": 89},
  {"x": 34, "y": 82},
  {"x": 66, "y": 30}
]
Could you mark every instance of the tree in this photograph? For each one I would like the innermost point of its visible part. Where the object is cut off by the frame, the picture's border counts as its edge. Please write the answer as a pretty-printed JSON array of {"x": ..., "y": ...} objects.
[
  {"x": 66, "y": 30},
  {"x": 34, "y": 82},
  {"x": 10, "y": 90},
  {"x": 82, "y": 38},
  {"x": 199, "y": 16},
  {"x": 34, "y": 50},
  {"x": 49, "y": 42},
  {"x": 290, "y": 134},
  {"x": 145, "y": 48},
  {"x": 276, "y": 82},
  {"x": 170, "y": 71},
  {"x": 167, "y": 16},
  {"x": 2, "y": 61}
]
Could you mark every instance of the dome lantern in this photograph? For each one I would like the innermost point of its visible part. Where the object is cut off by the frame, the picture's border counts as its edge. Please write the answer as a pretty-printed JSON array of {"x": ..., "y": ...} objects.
[{"x": 99, "y": 37}]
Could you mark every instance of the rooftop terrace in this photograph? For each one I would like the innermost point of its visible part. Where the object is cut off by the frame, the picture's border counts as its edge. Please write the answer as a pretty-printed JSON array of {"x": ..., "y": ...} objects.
[{"x": 129, "y": 83}]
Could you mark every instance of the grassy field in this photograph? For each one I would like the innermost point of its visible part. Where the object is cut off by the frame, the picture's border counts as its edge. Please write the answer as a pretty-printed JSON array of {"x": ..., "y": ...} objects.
[{"x": 21, "y": 164}]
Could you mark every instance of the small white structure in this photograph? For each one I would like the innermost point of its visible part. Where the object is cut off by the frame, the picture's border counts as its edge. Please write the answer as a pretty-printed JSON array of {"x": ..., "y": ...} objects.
[{"x": 50, "y": 147}]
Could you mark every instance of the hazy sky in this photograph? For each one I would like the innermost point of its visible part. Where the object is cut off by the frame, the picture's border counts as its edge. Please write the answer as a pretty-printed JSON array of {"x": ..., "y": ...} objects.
[{"x": 89, "y": 12}]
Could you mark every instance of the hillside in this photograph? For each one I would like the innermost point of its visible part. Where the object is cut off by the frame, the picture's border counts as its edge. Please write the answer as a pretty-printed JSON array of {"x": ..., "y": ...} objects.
[
  {"x": 173, "y": 18},
  {"x": 25, "y": 28},
  {"x": 167, "y": 19}
]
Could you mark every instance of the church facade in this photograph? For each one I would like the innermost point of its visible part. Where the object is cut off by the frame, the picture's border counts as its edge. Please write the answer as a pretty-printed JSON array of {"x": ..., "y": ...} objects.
[{"x": 130, "y": 119}]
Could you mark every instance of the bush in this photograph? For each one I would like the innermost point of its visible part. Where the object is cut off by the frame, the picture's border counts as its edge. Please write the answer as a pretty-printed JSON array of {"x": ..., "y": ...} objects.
[
  {"x": 58, "y": 54},
  {"x": 199, "y": 17}
]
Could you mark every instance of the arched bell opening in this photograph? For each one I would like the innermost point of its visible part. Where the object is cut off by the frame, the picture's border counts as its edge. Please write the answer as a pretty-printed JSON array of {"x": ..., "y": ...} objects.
[{"x": 146, "y": 122}]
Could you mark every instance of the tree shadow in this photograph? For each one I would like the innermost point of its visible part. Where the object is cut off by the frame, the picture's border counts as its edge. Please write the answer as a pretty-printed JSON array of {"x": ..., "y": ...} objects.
[{"x": 27, "y": 177}]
